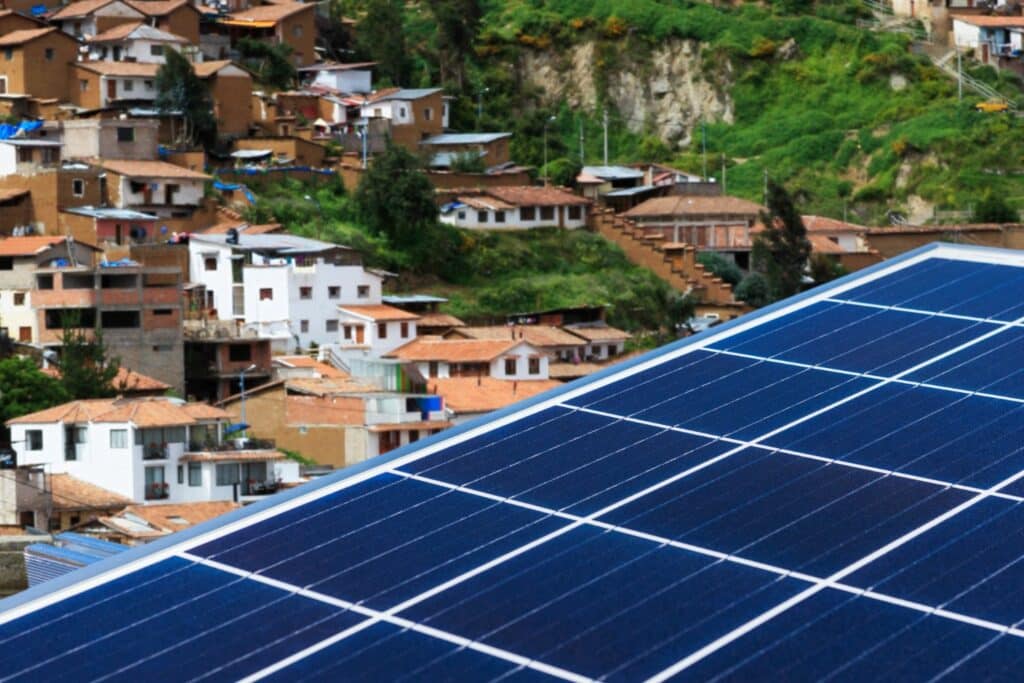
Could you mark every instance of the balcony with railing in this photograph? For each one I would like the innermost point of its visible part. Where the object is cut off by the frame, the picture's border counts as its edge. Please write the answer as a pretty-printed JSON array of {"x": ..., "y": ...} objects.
[
  {"x": 231, "y": 446},
  {"x": 158, "y": 491}
]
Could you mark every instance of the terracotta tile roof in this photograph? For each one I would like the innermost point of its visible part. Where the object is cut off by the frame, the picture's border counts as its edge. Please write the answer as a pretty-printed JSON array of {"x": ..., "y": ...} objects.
[
  {"x": 821, "y": 244},
  {"x": 538, "y": 335},
  {"x": 938, "y": 229},
  {"x": 438, "y": 320},
  {"x": 24, "y": 36},
  {"x": 453, "y": 350},
  {"x": 207, "y": 69},
  {"x": 157, "y": 8},
  {"x": 381, "y": 94},
  {"x": 568, "y": 371},
  {"x": 831, "y": 225},
  {"x": 479, "y": 201},
  {"x": 990, "y": 21},
  {"x": 139, "y": 69},
  {"x": 116, "y": 33},
  {"x": 315, "y": 366},
  {"x": 405, "y": 426},
  {"x": 602, "y": 333},
  {"x": 28, "y": 246},
  {"x": 80, "y": 9},
  {"x": 334, "y": 411},
  {"x": 472, "y": 395},
  {"x": 328, "y": 386},
  {"x": 168, "y": 518},
  {"x": 143, "y": 412},
  {"x": 233, "y": 456},
  {"x": 381, "y": 312},
  {"x": 13, "y": 193},
  {"x": 151, "y": 169},
  {"x": 693, "y": 205},
  {"x": 526, "y": 195},
  {"x": 71, "y": 493},
  {"x": 125, "y": 380},
  {"x": 273, "y": 13}
]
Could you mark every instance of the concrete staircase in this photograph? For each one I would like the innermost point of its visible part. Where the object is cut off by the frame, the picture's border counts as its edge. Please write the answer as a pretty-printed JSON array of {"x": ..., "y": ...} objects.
[{"x": 674, "y": 263}]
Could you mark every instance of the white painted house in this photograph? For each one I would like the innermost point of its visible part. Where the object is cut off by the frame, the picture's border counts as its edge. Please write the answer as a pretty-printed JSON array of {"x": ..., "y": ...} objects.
[
  {"x": 284, "y": 287},
  {"x": 345, "y": 78},
  {"x": 379, "y": 328},
  {"x": 500, "y": 359},
  {"x": 137, "y": 42},
  {"x": 988, "y": 35},
  {"x": 401, "y": 106},
  {"x": 516, "y": 208},
  {"x": 81, "y": 19},
  {"x": 149, "y": 449}
]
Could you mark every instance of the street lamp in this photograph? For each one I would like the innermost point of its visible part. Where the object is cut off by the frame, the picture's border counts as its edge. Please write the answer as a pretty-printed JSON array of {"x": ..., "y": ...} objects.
[
  {"x": 546, "y": 122},
  {"x": 364, "y": 137},
  {"x": 480, "y": 104},
  {"x": 241, "y": 381}
]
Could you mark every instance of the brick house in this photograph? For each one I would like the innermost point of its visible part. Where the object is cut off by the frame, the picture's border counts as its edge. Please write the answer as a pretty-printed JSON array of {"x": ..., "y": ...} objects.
[
  {"x": 514, "y": 208},
  {"x": 231, "y": 91},
  {"x": 137, "y": 42},
  {"x": 287, "y": 23},
  {"x": 87, "y": 18},
  {"x": 414, "y": 115},
  {"x": 155, "y": 187},
  {"x": 94, "y": 85},
  {"x": 34, "y": 62},
  {"x": 178, "y": 17}
]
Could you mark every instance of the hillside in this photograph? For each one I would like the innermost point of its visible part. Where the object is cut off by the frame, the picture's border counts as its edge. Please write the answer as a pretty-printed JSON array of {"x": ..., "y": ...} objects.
[{"x": 840, "y": 114}]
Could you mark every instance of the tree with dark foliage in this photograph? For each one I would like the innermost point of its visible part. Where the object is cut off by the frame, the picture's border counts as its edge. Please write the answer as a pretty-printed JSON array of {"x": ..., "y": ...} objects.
[{"x": 782, "y": 249}]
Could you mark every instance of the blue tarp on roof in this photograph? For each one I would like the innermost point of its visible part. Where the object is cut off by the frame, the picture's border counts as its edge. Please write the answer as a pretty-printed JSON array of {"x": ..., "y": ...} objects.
[
  {"x": 219, "y": 185},
  {"x": 7, "y": 131}
]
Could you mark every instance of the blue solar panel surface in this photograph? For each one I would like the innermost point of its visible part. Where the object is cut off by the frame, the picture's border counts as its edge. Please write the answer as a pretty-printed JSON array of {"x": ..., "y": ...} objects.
[{"x": 831, "y": 488}]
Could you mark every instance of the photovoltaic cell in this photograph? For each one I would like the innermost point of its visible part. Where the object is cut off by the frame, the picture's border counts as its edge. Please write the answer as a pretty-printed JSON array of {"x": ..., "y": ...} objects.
[{"x": 830, "y": 489}]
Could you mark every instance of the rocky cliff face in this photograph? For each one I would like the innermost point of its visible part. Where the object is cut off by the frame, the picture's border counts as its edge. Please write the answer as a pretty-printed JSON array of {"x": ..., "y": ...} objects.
[{"x": 667, "y": 94}]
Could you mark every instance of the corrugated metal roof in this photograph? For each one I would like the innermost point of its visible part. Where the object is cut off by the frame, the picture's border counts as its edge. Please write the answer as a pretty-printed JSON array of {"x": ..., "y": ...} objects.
[
  {"x": 465, "y": 138},
  {"x": 284, "y": 243},
  {"x": 613, "y": 172}
]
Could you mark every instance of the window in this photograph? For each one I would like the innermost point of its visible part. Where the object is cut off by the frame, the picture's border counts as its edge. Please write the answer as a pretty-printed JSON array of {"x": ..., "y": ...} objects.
[
  {"x": 575, "y": 213},
  {"x": 128, "y": 85},
  {"x": 83, "y": 85},
  {"x": 303, "y": 326},
  {"x": 266, "y": 294},
  {"x": 334, "y": 292},
  {"x": 401, "y": 112},
  {"x": 119, "y": 438},
  {"x": 332, "y": 326},
  {"x": 227, "y": 475},
  {"x": 195, "y": 474},
  {"x": 156, "y": 486},
  {"x": 34, "y": 439},
  {"x": 125, "y": 133},
  {"x": 157, "y": 348},
  {"x": 297, "y": 30},
  {"x": 499, "y": 216},
  {"x": 19, "y": 298},
  {"x": 348, "y": 331},
  {"x": 305, "y": 292},
  {"x": 527, "y": 213},
  {"x": 239, "y": 353},
  {"x": 7, "y": 263},
  {"x": 404, "y": 330},
  {"x": 78, "y": 187},
  {"x": 462, "y": 215},
  {"x": 534, "y": 366},
  {"x": 48, "y": 54},
  {"x": 9, "y": 54},
  {"x": 481, "y": 216},
  {"x": 163, "y": 311},
  {"x": 363, "y": 291},
  {"x": 79, "y": 434},
  {"x": 181, "y": 474},
  {"x": 156, "y": 50},
  {"x": 210, "y": 263},
  {"x": 148, "y": 84},
  {"x": 25, "y": 155},
  {"x": 382, "y": 330},
  {"x": 511, "y": 366},
  {"x": 428, "y": 113},
  {"x": 414, "y": 435},
  {"x": 547, "y": 213}
]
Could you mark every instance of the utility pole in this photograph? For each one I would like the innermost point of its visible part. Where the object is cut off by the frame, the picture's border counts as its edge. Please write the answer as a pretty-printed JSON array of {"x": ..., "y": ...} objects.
[
  {"x": 582, "y": 161},
  {"x": 723, "y": 175},
  {"x": 704, "y": 149},
  {"x": 605, "y": 121}
]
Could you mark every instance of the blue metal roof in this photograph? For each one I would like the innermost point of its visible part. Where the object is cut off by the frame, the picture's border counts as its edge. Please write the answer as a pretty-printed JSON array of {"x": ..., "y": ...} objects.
[
  {"x": 831, "y": 485},
  {"x": 630, "y": 191},
  {"x": 465, "y": 138},
  {"x": 613, "y": 172}
]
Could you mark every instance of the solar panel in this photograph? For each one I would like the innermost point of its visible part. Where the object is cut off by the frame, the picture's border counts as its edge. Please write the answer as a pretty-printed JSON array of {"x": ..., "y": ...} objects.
[{"x": 829, "y": 487}]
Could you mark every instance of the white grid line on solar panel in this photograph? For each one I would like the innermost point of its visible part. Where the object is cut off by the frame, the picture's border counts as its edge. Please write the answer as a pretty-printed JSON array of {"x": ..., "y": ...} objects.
[
  {"x": 727, "y": 557},
  {"x": 374, "y": 617},
  {"x": 480, "y": 569},
  {"x": 299, "y": 501},
  {"x": 425, "y": 451},
  {"x": 871, "y": 376},
  {"x": 799, "y": 454},
  {"x": 918, "y": 311},
  {"x": 828, "y": 582}
]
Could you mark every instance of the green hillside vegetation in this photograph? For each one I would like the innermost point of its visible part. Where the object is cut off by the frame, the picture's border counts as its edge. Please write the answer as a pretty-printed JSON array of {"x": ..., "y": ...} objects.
[{"x": 827, "y": 122}]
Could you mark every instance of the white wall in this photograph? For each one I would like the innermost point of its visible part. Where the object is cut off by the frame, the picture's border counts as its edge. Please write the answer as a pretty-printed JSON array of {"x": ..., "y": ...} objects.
[
  {"x": 142, "y": 88},
  {"x": 378, "y": 346},
  {"x": 190, "y": 192},
  {"x": 139, "y": 50},
  {"x": 217, "y": 281},
  {"x": 467, "y": 217},
  {"x": 8, "y": 160},
  {"x": 522, "y": 353},
  {"x": 966, "y": 35},
  {"x": 350, "y": 81},
  {"x": 15, "y": 317}
]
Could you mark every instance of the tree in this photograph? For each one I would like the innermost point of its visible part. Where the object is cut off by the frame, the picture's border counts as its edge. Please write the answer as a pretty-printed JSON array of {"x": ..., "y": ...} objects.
[
  {"x": 271, "y": 62},
  {"x": 395, "y": 198},
  {"x": 87, "y": 370},
  {"x": 24, "y": 389},
  {"x": 753, "y": 290},
  {"x": 994, "y": 209},
  {"x": 781, "y": 250},
  {"x": 562, "y": 172},
  {"x": 458, "y": 22},
  {"x": 381, "y": 37},
  {"x": 179, "y": 89},
  {"x": 823, "y": 268}
]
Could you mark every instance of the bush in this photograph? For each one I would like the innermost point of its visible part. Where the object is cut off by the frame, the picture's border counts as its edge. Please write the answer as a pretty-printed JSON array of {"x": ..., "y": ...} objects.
[
  {"x": 721, "y": 267},
  {"x": 753, "y": 290}
]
